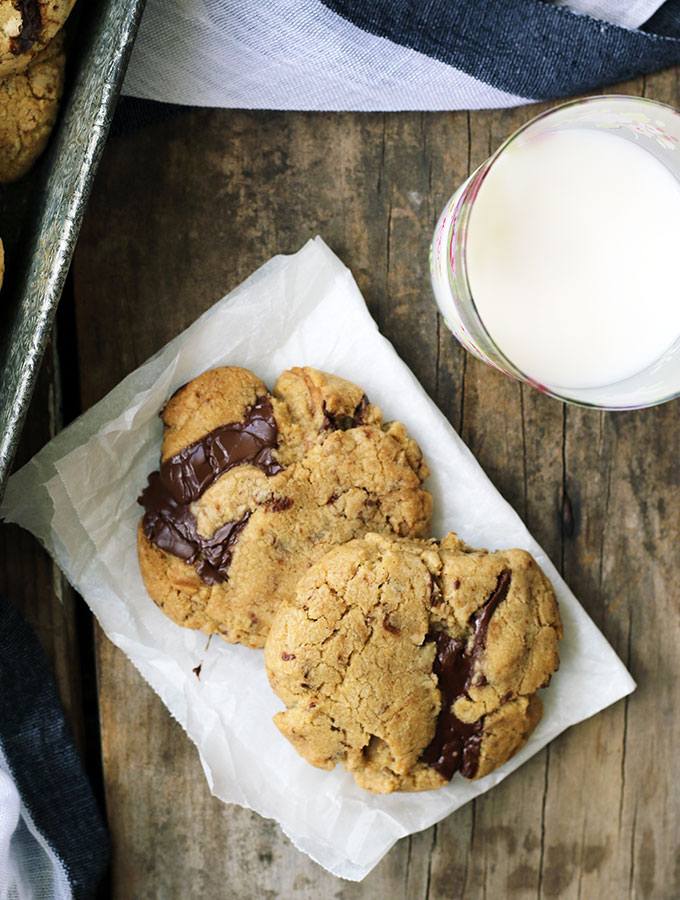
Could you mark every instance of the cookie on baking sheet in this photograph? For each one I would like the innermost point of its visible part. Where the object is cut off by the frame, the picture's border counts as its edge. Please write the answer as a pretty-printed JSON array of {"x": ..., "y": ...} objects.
[
  {"x": 26, "y": 28},
  {"x": 407, "y": 661},
  {"x": 29, "y": 103},
  {"x": 255, "y": 487}
]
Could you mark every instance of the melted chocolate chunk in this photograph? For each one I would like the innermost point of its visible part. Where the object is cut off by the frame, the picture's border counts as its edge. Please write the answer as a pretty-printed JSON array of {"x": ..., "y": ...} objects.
[
  {"x": 389, "y": 626},
  {"x": 30, "y": 26},
  {"x": 344, "y": 423},
  {"x": 456, "y": 745},
  {"x": 279, "y": 504},
  {"x": 172, "y": 527},
  {"x": 483, "y": 618},
  {"x": 182, "y": 479},
  {"x": 360, "y": 411},
  {"x": 191, "y": 472},
  {"x": 436, "y": 595}
]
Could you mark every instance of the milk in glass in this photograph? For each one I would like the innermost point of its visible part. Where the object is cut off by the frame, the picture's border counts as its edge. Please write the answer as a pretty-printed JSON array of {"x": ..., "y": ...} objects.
[{"x": 573, "y": 257}]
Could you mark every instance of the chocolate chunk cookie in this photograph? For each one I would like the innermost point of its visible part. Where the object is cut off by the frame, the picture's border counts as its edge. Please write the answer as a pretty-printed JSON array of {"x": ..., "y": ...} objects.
[
  {"x": 26, "y": 28},
  {"x": 254, "y": 487},
  {"x": 29, "y": 103},
  {"x": 408, "y": 661}
]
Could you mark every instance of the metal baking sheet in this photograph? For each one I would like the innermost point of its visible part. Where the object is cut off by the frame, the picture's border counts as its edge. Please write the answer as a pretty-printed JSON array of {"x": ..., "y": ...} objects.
[{"x": 40, "y": 216}]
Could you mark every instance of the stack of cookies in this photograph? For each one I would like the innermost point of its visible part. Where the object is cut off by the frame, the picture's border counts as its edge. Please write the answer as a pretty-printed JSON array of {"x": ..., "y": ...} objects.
[
  {"x": 297, "y": 520},
  {"x": 32, "y": 63}
]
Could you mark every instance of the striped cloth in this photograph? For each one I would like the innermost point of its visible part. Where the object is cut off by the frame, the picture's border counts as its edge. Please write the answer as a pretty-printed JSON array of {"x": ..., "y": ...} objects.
[{"x": 394, "y": 54}]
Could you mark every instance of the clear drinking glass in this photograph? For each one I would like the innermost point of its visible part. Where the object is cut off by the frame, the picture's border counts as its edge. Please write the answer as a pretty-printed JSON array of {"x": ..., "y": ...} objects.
[{"x": 653, "y": 127}]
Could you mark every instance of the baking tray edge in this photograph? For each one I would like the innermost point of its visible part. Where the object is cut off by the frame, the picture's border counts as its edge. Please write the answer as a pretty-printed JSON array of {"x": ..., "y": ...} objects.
[{"x": 75, "y": 153}]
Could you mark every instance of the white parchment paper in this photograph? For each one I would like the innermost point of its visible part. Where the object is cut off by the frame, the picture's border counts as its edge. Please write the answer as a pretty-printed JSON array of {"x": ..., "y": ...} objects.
[{"x": 79, "y": 497}]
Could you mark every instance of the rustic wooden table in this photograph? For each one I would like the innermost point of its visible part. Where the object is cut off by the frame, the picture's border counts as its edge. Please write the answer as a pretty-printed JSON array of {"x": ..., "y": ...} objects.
[{"x": 181, "y": 212}]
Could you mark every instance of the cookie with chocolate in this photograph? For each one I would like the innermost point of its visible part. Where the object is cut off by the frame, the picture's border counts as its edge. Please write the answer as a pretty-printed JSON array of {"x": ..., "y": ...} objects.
[
  {"x": 254, "y": 487},
  {"x": 29, "y": 103},
  {"x": 408, "y": 661},
  {"x": 26, "y": 28}
]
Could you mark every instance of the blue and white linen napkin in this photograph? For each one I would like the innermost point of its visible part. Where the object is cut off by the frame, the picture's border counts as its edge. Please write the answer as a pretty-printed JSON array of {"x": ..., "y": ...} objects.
[
  {"x": 394, "y": 54},
  {"x": 53, "y": 844}
]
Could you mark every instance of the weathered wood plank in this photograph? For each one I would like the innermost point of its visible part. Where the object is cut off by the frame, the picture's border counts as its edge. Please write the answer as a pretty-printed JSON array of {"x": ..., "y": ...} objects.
[
  {"x": 29, "y": 578},
  {"x": 247, "y": 203},
  {"x": 200, "y": 202}
]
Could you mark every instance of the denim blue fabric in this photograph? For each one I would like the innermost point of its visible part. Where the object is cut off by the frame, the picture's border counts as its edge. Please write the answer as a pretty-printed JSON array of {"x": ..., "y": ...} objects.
[
  {"x": 525, "y": 47},
  {"x": 43, "y": 760}
]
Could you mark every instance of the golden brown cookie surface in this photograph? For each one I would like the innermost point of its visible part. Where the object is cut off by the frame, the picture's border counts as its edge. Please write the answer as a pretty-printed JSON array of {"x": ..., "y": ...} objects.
[
  {"x": 406, "y": 661},
  {"x": 29, "y": 103},
  {"x": 255, "y": 487},
  {"x": 26, "y": 28}
]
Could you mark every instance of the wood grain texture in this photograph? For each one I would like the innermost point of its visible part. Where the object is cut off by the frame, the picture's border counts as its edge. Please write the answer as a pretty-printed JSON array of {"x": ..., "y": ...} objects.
[
  {"x": 29, "y": 578},
  {"x": 181, "y": 212}
]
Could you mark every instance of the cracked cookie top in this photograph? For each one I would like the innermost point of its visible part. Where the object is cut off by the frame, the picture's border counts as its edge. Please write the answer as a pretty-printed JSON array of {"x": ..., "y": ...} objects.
[
  {"x": 407, "y": 661},
  {"x": 254, "y": 487},
  {"x": 29, "y": 103}
]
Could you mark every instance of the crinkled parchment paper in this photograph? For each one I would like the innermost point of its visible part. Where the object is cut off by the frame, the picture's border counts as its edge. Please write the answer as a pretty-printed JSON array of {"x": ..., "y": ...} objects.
[{"x": 79, "y": 497}]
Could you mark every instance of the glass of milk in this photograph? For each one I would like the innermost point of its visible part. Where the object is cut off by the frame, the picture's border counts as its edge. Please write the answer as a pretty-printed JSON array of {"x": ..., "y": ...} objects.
[{"x": 558, "y": 260}]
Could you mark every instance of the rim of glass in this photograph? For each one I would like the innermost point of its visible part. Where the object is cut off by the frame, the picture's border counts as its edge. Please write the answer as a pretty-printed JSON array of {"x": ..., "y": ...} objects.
[{"x": 466, "y": 201}]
